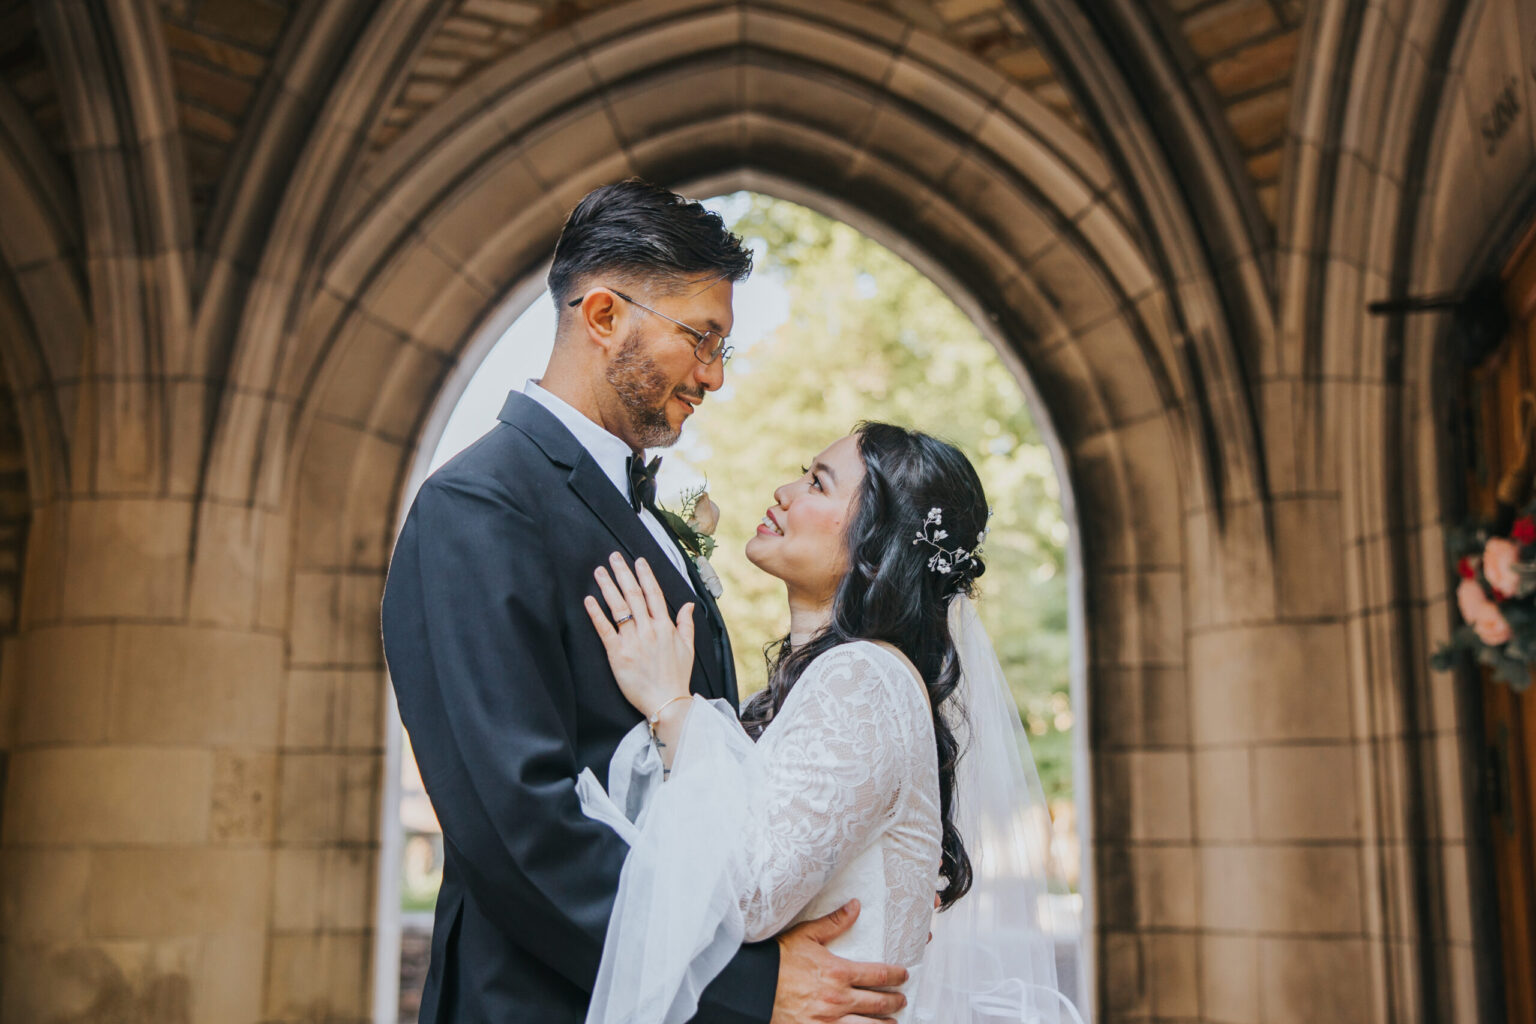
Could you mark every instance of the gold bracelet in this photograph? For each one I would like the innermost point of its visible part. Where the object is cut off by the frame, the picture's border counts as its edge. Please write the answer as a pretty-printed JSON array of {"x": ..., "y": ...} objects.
[{"x": 655, "y": 717}]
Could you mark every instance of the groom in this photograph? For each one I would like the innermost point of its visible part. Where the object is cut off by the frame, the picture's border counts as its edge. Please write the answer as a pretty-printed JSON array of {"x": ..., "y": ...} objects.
[{"x": 503, "y": 684}]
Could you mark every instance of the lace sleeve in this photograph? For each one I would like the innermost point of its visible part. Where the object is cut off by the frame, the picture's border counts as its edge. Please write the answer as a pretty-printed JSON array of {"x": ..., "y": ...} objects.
[
  {"x": 830, "y": 771},
  {"x": 743, "y": 836}
]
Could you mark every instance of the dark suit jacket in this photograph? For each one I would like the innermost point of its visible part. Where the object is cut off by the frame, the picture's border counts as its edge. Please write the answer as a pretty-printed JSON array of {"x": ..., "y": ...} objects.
[{"x": 506, "y": 692}]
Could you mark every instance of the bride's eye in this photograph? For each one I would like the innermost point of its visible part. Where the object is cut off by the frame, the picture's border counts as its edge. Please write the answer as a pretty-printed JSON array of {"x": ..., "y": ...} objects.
[{"x": 815, "y": 481}]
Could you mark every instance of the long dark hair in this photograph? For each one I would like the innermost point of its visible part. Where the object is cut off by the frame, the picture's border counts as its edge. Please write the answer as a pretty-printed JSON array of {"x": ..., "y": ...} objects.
[{"x": 890, "y": 593}]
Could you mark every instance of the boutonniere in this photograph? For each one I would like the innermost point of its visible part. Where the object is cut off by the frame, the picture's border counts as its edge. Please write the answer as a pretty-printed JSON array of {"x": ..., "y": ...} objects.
[{"x": 694, "y": 523}]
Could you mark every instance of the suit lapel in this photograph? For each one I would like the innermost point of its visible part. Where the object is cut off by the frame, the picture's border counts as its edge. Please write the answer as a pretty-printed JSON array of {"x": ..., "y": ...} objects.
[
  {"x": 611, "y": 509},
  {"x": 717, "y": 621},
  {"x": 597, "y": 491}
]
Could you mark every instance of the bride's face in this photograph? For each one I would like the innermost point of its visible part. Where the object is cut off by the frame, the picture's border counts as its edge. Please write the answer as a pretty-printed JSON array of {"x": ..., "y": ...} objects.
[{"x": 800, "y": 539}]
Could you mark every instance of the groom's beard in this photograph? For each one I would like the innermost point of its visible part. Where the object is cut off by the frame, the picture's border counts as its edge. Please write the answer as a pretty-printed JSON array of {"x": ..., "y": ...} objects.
[{"x": 644, "y": 391}]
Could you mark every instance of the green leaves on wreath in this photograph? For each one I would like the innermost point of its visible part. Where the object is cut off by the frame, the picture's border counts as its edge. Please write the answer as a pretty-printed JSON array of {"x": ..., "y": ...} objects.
[{"x": 1463, "y": 639}]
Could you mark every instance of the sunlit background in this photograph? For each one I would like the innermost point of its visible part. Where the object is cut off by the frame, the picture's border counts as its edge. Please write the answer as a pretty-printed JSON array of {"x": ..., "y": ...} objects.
[{"x": 832, "y": 328}]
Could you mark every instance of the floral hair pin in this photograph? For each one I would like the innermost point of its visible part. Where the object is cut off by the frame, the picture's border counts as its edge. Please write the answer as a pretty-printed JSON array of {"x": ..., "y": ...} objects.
[{"x": 946, "y": 560}]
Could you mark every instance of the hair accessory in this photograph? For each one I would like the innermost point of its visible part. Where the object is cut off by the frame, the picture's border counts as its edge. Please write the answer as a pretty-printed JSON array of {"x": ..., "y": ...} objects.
[{"x": 946, "y": 560}]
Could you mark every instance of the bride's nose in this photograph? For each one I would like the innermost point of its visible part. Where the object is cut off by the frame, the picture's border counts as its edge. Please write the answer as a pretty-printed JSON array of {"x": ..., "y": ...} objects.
[{"x": 779, "y": 493}]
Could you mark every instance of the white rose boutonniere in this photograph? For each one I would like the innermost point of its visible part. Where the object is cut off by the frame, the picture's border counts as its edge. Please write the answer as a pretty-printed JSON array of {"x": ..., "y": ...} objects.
[
  {"x": 695, "y": 529},
  {"x": 705, "y": 517}
]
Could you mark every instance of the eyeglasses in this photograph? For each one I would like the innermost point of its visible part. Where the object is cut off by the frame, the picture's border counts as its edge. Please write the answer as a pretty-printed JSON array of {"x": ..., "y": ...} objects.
[{"x": 708, "y": 345}]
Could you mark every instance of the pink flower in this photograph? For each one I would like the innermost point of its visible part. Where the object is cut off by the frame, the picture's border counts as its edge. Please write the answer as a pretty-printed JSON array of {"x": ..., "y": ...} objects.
[
  {"x": 1494, "y": 629},
  {"x": 1499, "y": 558},
  {"x": 1482, "y": 614},
  {"x": 1471, "y": 600}
]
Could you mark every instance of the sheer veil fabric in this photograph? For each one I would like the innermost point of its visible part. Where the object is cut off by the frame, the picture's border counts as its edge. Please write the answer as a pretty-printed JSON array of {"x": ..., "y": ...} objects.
[
  {"x": 685, "y": 900},
  {"x": 1002, "y": 952}
]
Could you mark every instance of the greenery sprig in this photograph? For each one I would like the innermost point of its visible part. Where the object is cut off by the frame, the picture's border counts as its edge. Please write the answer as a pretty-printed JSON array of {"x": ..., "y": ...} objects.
[{"x": 685, "y": 523}]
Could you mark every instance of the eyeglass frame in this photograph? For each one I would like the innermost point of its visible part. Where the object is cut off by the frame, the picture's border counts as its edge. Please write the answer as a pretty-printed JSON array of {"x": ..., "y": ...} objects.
[{"x": 723, "y": 354}]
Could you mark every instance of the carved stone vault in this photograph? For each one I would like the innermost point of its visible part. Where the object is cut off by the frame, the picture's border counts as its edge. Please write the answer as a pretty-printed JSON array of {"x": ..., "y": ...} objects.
[{"x": 243, "y": 243}]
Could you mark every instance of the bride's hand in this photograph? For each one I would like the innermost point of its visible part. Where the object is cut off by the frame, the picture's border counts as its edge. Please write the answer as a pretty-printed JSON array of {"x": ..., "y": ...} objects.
[{"x": 651, "y": 655}]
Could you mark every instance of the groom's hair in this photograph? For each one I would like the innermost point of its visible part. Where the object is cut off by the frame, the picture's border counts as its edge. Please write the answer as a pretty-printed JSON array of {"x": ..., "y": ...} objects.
[{"x": 637, "y": 231}]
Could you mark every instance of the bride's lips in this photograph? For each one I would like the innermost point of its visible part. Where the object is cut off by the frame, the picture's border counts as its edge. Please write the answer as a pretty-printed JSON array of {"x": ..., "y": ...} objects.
[{"x": 769, "y": 531}]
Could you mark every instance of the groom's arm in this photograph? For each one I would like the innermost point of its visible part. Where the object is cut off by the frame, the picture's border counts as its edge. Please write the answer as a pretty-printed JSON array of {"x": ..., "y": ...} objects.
[{"x": 472, "y": 633}]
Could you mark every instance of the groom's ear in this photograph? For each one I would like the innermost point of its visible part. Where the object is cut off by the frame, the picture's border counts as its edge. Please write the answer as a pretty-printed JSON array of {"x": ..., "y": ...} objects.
[{"x": 597, "y": 319}]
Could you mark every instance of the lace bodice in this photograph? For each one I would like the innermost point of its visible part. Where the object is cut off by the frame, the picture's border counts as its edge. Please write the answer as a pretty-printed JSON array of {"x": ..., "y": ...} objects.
[
  {"x": 839, "y": 799},
  {"x": 849, "y": 806}
]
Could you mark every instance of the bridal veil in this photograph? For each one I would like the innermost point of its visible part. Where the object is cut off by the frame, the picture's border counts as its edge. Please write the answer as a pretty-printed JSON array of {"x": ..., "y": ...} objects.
[{"x": 1010, "y": 949}]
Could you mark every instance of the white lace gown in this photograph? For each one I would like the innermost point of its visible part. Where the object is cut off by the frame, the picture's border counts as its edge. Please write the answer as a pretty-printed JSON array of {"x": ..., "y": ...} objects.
[{"x": 838, "y": 800}]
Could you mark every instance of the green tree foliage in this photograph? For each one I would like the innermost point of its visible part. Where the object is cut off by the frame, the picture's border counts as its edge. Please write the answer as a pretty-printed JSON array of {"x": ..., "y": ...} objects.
[{"x": 869, "y": 337}]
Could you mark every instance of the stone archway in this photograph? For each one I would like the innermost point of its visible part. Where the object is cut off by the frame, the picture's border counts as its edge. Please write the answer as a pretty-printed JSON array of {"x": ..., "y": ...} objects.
[
  {"x": 965, "y": 169},
  {"x": 1401, "y": 193},
  {"x": 498, "y": 320},
  {"x": 218, "y": 416}
]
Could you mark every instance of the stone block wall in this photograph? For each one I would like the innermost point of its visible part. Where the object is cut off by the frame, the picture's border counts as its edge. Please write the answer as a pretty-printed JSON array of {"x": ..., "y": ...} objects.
[{"x": 223, "y": 358}]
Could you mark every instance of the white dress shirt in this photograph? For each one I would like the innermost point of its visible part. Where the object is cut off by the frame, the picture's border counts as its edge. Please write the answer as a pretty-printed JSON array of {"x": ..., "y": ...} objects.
[{"x": 610, "y": 454}]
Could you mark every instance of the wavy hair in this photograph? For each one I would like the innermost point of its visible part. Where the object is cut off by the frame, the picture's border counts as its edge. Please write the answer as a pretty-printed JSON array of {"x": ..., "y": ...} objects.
[
  {"x": 890, "y": 594},
  {"x": 636, "y": 230}
]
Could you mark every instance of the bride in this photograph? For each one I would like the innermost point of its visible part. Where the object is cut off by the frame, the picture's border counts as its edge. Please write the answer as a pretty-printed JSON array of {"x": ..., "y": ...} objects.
[{"x": 886, "y": 765}]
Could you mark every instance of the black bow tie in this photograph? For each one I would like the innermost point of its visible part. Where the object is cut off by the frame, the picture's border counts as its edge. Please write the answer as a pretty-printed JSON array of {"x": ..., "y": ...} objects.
[{"x": 642, "y": 481}]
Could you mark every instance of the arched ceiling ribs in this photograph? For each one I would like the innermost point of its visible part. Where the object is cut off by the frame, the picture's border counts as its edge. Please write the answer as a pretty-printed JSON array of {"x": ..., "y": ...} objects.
[
  {"x": 989, "y": 138},
  {"x": 315, "y": 179},
  {"x": 312, "y": 55},
  {"x": 1371, "y": 175},
  {"x": 39, "y": 177},
  {"x": 468, "y": 203},
  {"x": 1190, "y": 120},
  {"x": 120, "y": 120},
  {"x": 46, "y": 319},
  {"x": 43, "y": 315},
  {"x": 837, "y": 39},
  {"x": 357, "y": 327},
  {"x": 40, "y": 241},
  {"x": 310, "y": 59},
  {"x": 1306, "y": 223},
  {"x": 1069, "y": 203},
  {"x": 23, "y": 361},
  {"x": 1198, "y": 218},
  {"x": 475, "y": 35},
  {"x": 631, "y": 78},
  {"x": 535, "y": 82},
  {"x": 462, "y": 208}
]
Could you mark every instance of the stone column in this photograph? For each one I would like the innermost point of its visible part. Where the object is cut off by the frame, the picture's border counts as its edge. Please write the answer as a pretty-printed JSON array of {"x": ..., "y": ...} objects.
[
  {"x": 137, "y": 872},
  {"x": 1276, "y": 785}
]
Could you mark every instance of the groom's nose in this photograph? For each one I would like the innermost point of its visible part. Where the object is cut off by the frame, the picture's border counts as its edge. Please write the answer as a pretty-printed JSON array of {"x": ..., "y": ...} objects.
[{"x": 710, "y": 376}]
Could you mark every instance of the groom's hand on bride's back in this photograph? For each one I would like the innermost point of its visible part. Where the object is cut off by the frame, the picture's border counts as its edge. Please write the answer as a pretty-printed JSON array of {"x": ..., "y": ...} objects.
[{"x": 816, "y": 986}]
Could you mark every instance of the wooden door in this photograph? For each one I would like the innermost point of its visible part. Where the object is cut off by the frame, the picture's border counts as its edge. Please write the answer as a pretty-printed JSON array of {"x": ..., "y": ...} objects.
[{"x": 1510, "y": 717}]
